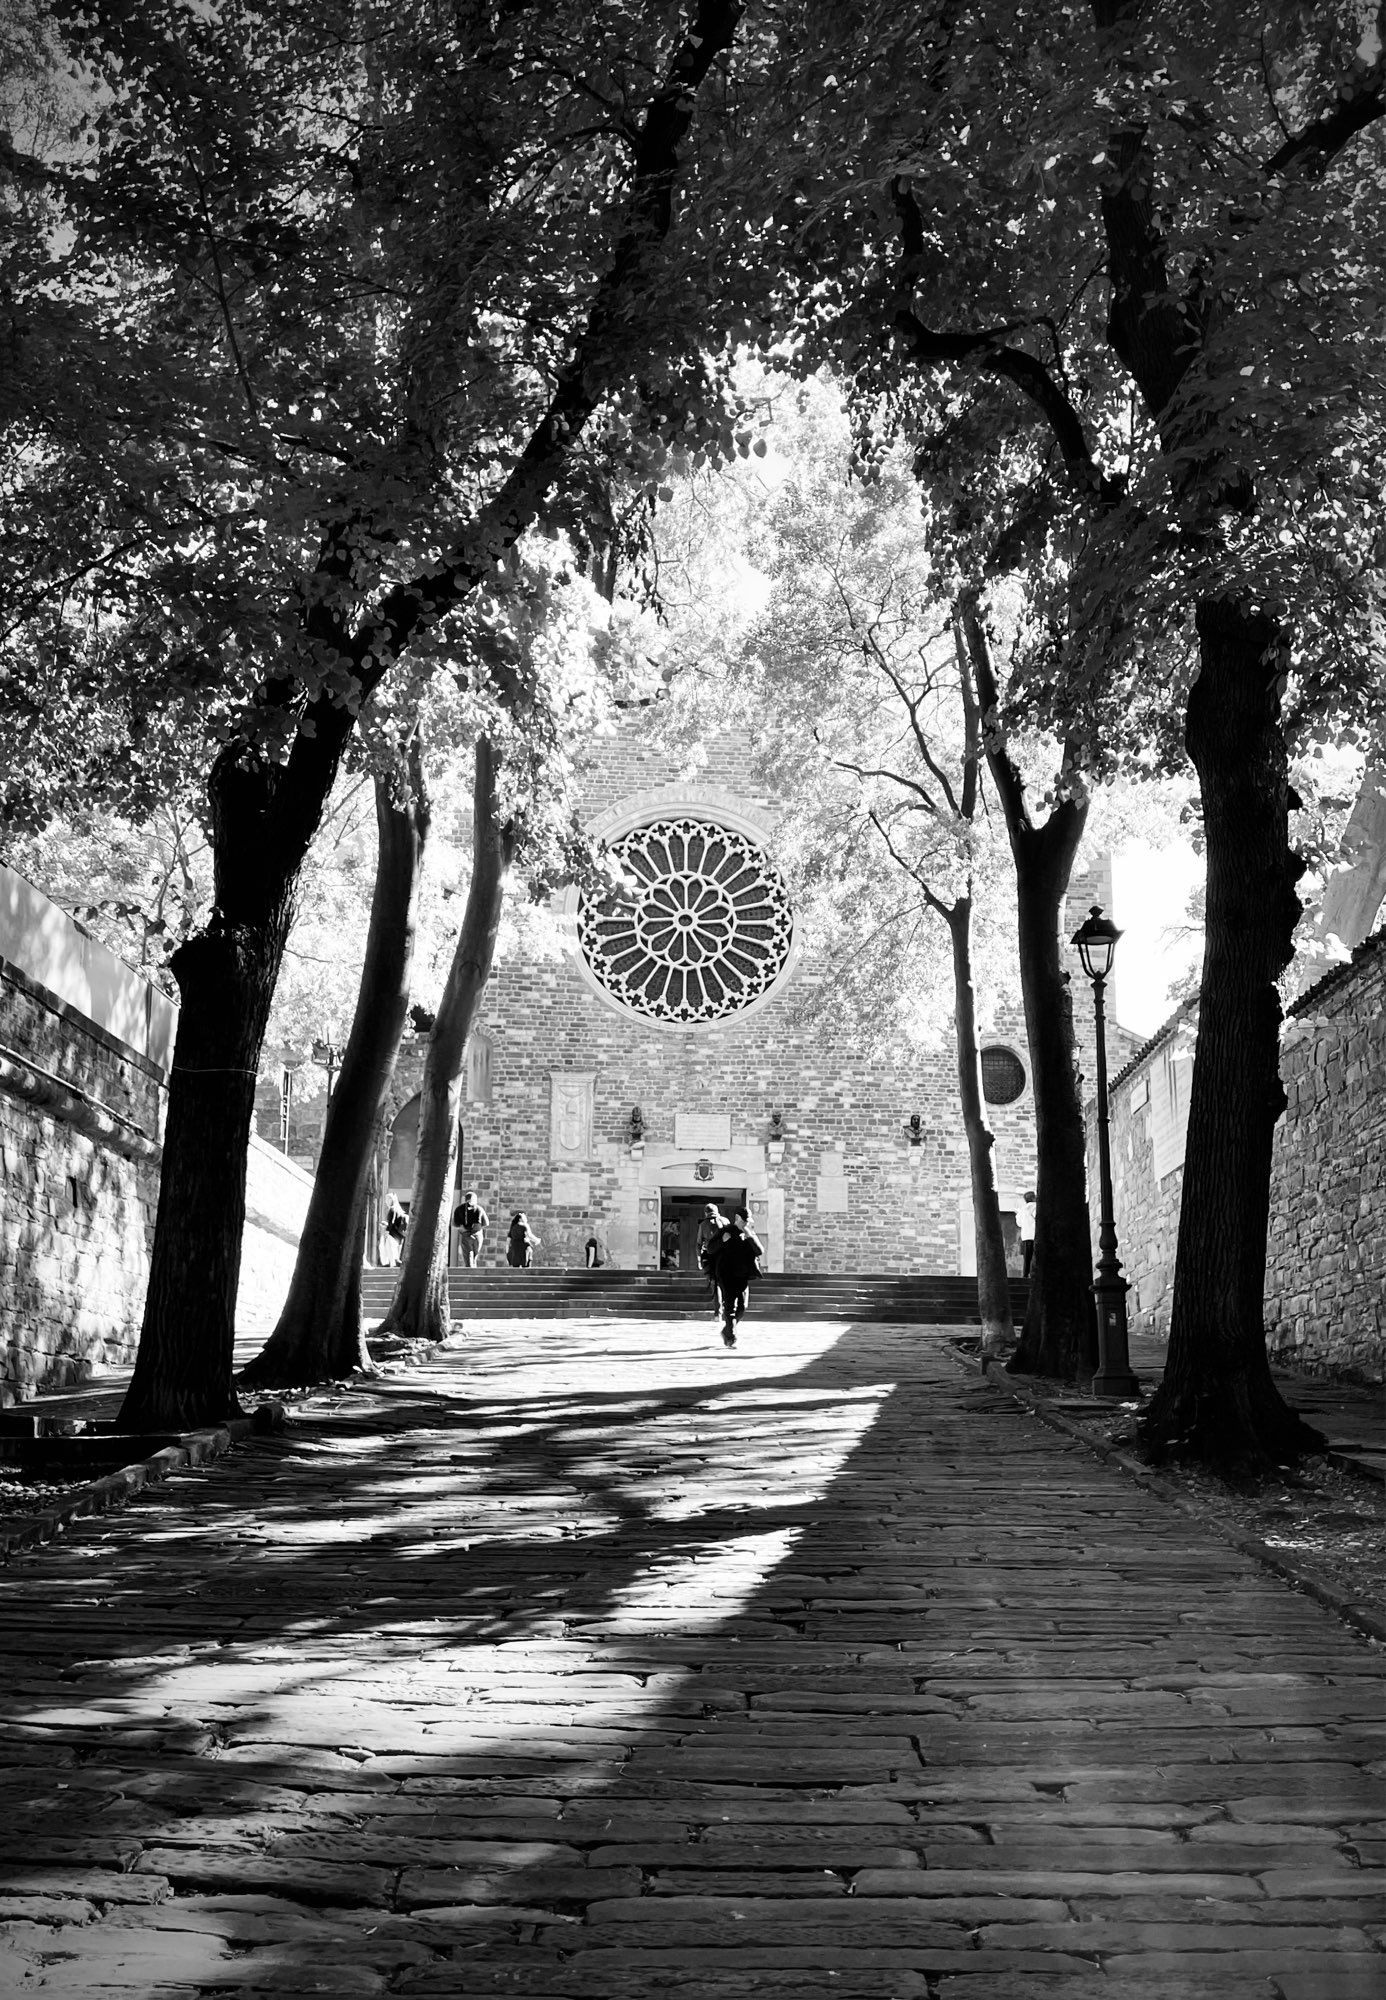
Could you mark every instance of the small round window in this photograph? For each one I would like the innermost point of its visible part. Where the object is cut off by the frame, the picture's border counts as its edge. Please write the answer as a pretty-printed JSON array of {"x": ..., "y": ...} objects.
[{"x": 1003, "y": 1076}]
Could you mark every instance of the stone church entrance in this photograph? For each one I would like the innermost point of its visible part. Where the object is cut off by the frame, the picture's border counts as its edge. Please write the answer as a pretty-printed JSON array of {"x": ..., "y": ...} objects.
[{"x": 680, "y": 1211}]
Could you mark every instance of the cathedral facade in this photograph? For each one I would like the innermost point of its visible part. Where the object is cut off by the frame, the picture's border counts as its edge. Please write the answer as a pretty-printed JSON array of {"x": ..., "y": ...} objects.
[{"x": 668, "y": 1058}]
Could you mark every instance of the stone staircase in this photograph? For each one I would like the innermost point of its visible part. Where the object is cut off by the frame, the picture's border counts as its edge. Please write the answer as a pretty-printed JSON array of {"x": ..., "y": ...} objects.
[{"x": 607, "y": 1294}]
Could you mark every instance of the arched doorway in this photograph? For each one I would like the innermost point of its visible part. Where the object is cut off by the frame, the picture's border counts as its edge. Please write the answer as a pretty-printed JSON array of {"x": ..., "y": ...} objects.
[
  {"x": 404, "y": 1148},
  {"x": 404, "y": 1152}
]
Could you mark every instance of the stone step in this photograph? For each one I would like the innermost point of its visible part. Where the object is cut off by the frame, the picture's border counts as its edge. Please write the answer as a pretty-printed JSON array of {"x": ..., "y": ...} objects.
[{"x": 927, "y": 1298}]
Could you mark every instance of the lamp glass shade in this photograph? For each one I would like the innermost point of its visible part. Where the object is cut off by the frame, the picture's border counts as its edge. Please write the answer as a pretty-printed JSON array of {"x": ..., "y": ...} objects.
[{"x": 1096, "y": 940}]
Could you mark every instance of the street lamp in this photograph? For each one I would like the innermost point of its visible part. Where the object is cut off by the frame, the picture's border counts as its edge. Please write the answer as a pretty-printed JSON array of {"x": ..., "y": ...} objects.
[
  {"x": 327, "y": 1056},
  {"x": 1097, "y": 942}
]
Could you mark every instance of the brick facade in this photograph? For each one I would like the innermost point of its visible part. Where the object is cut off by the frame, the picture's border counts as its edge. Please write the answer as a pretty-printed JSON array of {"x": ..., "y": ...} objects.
[
  {"x": 1326, "y": 1248},
  {"x": 840, "y": 1186}
]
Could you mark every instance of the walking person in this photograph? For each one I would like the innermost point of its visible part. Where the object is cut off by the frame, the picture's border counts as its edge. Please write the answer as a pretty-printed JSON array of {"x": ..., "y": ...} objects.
[
  {"x": 471, "y": 1222},
  {"x": 711, "y": 1223},
  {"x": 738, "y": 1252},
  {"x": 521, "y": 1242},
  {"x": 1025, "y": 1223}
]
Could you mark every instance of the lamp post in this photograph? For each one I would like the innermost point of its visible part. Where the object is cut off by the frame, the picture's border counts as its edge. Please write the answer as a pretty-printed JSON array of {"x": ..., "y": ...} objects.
[
  {"x": 327, "y": 1056},
  {"x": 1097, "y": 942}
]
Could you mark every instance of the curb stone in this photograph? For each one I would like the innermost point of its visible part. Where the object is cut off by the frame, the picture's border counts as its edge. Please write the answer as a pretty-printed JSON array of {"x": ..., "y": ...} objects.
[
  {"x": 99, "y": 1496},
  {"x": 1367, "y": 1622}
]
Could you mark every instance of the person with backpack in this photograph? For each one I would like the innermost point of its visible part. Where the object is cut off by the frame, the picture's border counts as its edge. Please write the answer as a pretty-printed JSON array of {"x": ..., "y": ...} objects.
[
  {"x": 710, "y": 1226},
  {"x": 471, "y": 1222},
  {"x": 736, "y": 1259}
]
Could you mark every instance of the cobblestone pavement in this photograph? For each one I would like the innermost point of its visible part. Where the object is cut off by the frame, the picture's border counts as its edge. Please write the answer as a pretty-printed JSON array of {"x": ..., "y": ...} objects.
[{"x": 591, "y": 1659}]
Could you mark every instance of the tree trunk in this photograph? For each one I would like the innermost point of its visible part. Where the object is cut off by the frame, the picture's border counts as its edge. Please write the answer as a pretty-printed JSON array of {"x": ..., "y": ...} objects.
[
  {"x": 1060, "y": 1333},
  {"x": 319, "y": 1336},
  {"x": 1218, "y": 1401},
  {"x": 263, "y": 817},
  {"x": 1059, "y": 1336},
  {"x": 993, "y": 1282},
  {"x": 419, "y": 1308}
]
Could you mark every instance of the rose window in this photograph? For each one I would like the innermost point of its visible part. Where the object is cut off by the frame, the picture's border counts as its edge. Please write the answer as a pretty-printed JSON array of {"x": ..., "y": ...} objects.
[{"x": 700, "y": 929}]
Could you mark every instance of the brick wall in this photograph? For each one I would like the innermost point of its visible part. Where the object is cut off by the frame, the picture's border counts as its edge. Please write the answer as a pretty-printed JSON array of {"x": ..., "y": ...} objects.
[
  {"x": 1326, "y": 1248},
  {"x": 847, "y": 1191},
  {"x": 81, "y": 1114},
  {"x": 839, "y": 1112}
]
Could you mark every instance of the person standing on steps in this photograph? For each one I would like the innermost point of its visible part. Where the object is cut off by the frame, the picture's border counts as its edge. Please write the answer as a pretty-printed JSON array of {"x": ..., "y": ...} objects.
[
  {"x": 738, "y": 1252},
  {"x": 710, "y": 1226},
  {"x": 521, "y": 1242},
  {"x": 471, "y": 1222},
  {"x": 396, "y": 1228},
  {"x": 1025, "y": 1223}
]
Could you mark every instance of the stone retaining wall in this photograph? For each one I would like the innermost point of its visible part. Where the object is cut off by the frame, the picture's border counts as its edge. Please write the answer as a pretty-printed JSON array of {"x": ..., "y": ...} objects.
[
  {"x": 1326, "y": 1263},
  {"x": 84, "y": 1044},
  {"x": 276, "y": 1202},
  {"x": 1326, "y": 1248},
  {"x": 79, "y": 1123}
]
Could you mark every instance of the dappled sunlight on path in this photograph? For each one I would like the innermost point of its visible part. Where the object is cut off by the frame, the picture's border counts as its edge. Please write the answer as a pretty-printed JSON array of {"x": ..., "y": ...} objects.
[{"x": 588, "y": 1658}]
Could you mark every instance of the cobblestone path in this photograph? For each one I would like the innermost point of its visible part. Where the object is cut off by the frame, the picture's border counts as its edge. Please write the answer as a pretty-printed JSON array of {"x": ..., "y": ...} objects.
[{"x": 591, "y": 1660}]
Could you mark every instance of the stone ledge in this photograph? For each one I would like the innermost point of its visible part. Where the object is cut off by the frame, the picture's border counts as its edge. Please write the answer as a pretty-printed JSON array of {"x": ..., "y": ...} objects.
[
  {"x": 54, "y": 1097},
  {"x": 65, "y": 1011},
  {"x": 100, "y": 1495}
]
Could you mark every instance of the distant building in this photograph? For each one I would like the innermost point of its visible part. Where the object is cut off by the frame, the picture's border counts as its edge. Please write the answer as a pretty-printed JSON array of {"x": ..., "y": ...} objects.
[{"x": 660, "y": 1063}]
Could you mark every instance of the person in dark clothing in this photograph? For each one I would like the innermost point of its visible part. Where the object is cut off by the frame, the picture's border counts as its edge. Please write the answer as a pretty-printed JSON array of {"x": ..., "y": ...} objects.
[
  {"x": 471, "y": 1221},
  {"x": 737, "y": 1252},
  {"x": 521, "y": 1243}
]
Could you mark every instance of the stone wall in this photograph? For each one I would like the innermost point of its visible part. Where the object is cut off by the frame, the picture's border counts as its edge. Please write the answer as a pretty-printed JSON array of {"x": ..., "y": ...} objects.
[
  {"x": 1326, "y": 1262},
  {"x": 1326, "y": 1248},
  {"x": 79, "y": 1124},
  {"x": 1149, "y": 1107},
  {"x": 83, "y": 1079},
  {"x": 277, "y": 1190},
  {"x": 843, "y": 1188}
]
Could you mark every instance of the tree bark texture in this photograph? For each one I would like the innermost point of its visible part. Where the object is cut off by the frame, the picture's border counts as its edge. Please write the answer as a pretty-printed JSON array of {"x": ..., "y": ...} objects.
[
  {"x": 263, "y": 817},
  {"x": 993, "y": 1282},
  {"x": 1218, "y": 1400},
  {"x": 319, "y": 1335},
  {"x": 1059, "y": 1336},
  {"x": 419, "y": 1308}
]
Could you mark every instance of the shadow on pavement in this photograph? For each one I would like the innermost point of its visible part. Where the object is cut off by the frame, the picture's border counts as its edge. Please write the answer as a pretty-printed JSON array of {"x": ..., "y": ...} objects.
[{"x": 592, "y": 1661}]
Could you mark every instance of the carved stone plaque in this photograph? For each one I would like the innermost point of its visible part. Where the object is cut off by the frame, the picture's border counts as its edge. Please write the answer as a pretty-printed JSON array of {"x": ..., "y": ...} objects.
[
  {"x": 832, "y": 1184},
  {"x": 702, "y": 1131},
  {"x": 571, "y": 1190},
  {"x": 570, "y": 1115}
]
